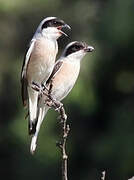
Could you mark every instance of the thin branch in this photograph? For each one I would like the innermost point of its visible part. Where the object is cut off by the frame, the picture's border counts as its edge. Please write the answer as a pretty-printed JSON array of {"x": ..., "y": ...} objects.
[
  {"x": 65, "y": 130},
  {"x": 62, "y": 143}
]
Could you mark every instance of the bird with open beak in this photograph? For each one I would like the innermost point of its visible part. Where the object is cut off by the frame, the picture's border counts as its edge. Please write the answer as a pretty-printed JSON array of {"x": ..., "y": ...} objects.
[
  {"x": 39, "y": 62},
  {"x": 64, "y": 76}
]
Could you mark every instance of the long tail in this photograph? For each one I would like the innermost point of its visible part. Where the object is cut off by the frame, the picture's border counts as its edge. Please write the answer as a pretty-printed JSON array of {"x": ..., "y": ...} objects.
[
  {"x": 33, "y": 98},
  {"x": 42, "y": 111}
]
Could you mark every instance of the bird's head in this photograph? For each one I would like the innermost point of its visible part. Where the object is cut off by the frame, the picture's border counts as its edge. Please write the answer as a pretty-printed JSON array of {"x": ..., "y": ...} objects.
[
  {"x": 52, "y": 27},
  {"x": 77, "y": 50}
]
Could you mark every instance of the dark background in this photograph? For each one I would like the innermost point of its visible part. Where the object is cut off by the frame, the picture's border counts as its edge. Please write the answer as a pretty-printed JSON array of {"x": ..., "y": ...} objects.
[{"x": 100, "y": 107}]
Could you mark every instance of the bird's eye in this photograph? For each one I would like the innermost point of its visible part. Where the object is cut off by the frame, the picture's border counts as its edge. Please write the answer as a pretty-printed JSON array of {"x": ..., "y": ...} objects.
[
  {"x": 55, "y": 22},
  {"x": 76, "y": 48}
]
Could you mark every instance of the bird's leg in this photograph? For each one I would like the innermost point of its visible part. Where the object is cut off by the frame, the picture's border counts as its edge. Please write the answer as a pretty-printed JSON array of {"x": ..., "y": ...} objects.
[
  {"x": 40, "y": 88},
  {"x": 36, "y": 86}
]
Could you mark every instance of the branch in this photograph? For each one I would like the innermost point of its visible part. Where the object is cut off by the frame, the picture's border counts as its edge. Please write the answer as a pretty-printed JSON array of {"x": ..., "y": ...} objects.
[
  {"x": 65, "y": 130},
  {"x": 62, "y": 143}
]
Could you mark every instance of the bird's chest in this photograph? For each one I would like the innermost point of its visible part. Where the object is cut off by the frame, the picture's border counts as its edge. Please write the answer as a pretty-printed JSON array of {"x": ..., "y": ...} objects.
[
  {"x": 65, "y": 80},
  {"x": 70, "y": 73},
  {"x": 42, "y": 60}
]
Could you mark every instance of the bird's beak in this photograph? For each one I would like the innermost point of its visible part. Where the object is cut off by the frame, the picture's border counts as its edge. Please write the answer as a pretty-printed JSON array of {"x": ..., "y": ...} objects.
[
  {"x": 65, "y": 26},
  {"x": 89, "y": 49}
]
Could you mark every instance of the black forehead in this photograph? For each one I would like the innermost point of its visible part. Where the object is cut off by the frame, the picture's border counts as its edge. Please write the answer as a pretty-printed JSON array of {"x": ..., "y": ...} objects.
[
  {"x": 74, "y": 48},
  {"x": 52, "y": 23}
]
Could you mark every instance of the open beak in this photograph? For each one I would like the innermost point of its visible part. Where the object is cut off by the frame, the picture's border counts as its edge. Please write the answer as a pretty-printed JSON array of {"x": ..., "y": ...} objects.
[
  {"x": 89, "y": 49},
  {"x": 65, "y": 26}
]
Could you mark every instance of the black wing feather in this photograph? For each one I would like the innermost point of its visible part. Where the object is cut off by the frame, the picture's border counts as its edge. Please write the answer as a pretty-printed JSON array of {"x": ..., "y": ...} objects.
[
  {"x": 24, "y": 82},
  {"x": 55, "y": 70}
]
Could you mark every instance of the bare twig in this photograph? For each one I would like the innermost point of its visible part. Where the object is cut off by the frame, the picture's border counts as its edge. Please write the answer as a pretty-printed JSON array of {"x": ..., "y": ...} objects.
[
  {"x": 65, "y": 130},
  {"x": 62, "y": 143}
]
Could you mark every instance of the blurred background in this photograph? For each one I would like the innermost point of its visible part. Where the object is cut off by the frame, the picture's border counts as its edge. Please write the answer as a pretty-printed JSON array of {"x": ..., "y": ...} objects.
[{"x": 100, "y": 107}]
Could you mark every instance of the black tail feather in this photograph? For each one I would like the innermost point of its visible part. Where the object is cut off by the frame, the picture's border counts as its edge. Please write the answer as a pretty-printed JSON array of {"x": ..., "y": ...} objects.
[{"x": 32, "y": 127}]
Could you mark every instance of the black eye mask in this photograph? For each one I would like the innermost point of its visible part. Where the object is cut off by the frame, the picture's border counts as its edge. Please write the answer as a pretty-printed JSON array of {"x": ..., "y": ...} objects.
[
  {"x": 74, "y": 48},
  {"x": 53, "y": 23}
]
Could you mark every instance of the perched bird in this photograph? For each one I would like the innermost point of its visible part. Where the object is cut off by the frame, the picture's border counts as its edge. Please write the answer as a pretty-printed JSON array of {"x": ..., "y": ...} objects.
[
  {"x": 39, "y": 62},
  {"x": 63, "y": 77}
]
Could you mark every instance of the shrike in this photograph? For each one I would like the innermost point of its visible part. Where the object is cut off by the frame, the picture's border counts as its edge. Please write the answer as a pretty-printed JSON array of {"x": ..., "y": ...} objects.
[
  {"x": 64, "y": 76},
  {"x": 39, "y": 62}
]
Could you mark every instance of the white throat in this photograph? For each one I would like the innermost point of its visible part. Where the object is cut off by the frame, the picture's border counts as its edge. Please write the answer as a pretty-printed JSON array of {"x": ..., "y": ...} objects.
[
  {"x": 51, "y": 33},
  {"x": 77, "y": 56}
]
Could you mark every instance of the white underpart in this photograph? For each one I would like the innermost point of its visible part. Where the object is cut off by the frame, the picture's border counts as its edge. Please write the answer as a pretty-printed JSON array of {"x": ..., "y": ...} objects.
[
  {"x": 77, "y": 56},
  {"x": 61, "y": 91}
]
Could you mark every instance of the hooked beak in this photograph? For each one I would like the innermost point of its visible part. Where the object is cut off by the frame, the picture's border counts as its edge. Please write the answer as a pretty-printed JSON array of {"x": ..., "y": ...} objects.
[
  {"x": 65, "y": 26},
  {"x": 89, "y": 49}
]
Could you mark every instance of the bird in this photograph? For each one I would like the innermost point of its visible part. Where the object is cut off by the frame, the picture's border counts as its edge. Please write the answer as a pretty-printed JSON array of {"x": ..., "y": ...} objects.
[
  {"x": 64, "y": 76},
  {"x": 39, "y": 62}
]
